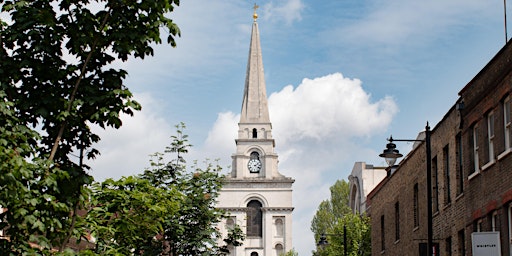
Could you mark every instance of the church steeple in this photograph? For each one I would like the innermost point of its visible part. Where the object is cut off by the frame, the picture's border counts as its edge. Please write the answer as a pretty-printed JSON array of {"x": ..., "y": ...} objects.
[
  {"x": 255, "y": 155},
  {"x": 255, "y": 195},
  {"x": 254, "y": 104}
]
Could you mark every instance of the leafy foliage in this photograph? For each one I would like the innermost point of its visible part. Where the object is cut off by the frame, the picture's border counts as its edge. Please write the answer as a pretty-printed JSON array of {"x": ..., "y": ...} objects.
[
  {"x": 56, "y": 77},
  {"x": 167, "y": 210},
  {"x": 28, "y": 189},
  {"x": 330, "y": 211},
  {"x": 128, "y": 213},
  {"x": 291, "y": 252},
  {"x": 333, "y": 217},
  {"x": 55, "y": 63}
]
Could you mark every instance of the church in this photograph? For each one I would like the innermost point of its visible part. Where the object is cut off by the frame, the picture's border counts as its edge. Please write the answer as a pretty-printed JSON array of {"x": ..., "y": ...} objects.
[{"x": 255, "y": 195}]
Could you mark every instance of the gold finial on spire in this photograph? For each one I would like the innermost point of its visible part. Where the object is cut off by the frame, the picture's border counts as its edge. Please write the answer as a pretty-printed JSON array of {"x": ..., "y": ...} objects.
[{"x": 255, "y": 15}]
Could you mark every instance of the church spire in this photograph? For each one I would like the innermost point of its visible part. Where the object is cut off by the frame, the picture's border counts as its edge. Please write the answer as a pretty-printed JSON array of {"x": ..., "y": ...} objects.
[
  {"x": 255, "y": 195},
  {"x": 254, "y": 104}
]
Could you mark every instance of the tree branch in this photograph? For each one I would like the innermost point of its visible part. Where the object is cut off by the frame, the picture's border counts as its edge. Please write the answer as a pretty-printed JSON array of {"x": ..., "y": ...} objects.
[{"x": 75, "y": 89}]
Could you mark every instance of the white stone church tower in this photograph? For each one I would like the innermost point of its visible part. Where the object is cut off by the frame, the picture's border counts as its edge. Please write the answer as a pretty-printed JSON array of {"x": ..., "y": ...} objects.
[{"x": 257, "y": 197}]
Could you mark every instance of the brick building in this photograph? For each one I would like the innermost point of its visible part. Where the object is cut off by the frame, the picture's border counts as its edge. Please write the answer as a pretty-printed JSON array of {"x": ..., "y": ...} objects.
[{"x": 471, "y": 175}]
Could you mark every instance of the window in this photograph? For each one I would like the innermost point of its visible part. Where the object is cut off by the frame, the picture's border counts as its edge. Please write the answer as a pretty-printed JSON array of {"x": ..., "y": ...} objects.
[
  {"x": 279, "y": 249},
  {"x": 415, "y": 206},
  {"x": 474, "y": 143},
  {"x": 494, "y": 221},
  {"x": 462, "y": 242},
  {"x": 397, "y": 221},
  {"x": 447, "y": 191},
  {"x": 382, "y": 234},
  {"x": 510, "y": 226},
  {"x": 435, "y": 186},
  {"x": 355, "y": 198},
  {"x": 255, "y": 155},
  {"x": 460, "y": 171},
  {"x": 490, "y": 136},
  {"x": 478, "y": 225},
  {"x": 254, "y": 133},
  {"x": 254, "y": 219},
  {"x": 507, "y": 122},
  {"x": 254, "y": 254},
  {"x": 448, "y": 248}
]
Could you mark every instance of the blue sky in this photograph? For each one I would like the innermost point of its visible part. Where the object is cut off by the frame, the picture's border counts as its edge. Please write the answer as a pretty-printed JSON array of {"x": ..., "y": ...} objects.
[{"x": 341, "y": 77}]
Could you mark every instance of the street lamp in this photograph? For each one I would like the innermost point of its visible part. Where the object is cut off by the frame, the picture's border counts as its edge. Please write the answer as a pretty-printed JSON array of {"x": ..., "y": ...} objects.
[
  {"x": 323, "y": 240},
  {"x": 391, "y": 154}
]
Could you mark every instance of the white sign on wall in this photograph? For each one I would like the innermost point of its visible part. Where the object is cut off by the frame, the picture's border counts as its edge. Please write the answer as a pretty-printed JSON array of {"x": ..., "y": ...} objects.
[{"x": 486, "y": 243}]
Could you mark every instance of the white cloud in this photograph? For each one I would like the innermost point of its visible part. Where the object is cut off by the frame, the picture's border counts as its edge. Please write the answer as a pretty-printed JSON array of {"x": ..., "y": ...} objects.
[
  {"x": 126, "y": 151},
  {"x": 313, "y": 126},
  {"x": 320, "y": 128},
  {"x": 220, "y": 143},
  {"x": 327, "y": 107}
]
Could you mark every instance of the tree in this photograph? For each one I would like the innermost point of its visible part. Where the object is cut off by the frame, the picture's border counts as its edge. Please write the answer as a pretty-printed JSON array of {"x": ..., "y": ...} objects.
[
  {"x": 56, "y": 75},
  {"x": 330, "y": 211},
  {"x": 167, "y": 210},
  {"x": 291, "y": 252},
  {"x": 28, "y": 189},
  {"x": 333, "y": 217}
]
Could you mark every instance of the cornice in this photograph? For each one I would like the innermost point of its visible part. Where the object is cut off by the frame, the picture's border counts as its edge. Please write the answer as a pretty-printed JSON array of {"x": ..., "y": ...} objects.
[{"x": 264, "y": 209}]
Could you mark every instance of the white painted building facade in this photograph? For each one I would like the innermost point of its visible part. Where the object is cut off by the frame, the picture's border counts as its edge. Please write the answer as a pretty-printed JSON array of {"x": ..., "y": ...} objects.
[
  {"x": 257, "y": 197},
  {"x": 362, "y": 180}
]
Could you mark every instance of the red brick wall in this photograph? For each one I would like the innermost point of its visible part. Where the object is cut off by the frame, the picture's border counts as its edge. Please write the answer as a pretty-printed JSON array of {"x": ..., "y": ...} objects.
[{"x": 489, "y": 190}]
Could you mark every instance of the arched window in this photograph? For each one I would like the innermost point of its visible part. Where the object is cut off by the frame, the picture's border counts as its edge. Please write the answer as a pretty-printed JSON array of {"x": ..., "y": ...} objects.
[
  {"x": 254, "y": 254},
  {"x": 354, "y": 202},
  {"x": 254, "y": 133},
  {"x": 279, "y": 249},
  {"x": 255, "y": 155},
  {"x": 254, "y": 219}
]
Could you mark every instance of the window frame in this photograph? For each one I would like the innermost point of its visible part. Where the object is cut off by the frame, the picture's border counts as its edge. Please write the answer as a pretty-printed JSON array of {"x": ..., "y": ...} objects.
[
  {"x": 479, "y": 225},
  {"x": 475, "y": 151},
  {"x": 254, "y": 219},
  {"x": 382, "y": 233},
  {"x": 448, "y": 248},
  {"x": 507, "y": 123},
  {"x": 494, "y": 221},
  {"x": 510, "y": 226},
  {"x": 491, "y": 132},
  {"x": 461, "y": 235},
  {"x": 435, "y": 184},
  {"x": 460, "y": 170},
  {"x": 447, "y": 188}
]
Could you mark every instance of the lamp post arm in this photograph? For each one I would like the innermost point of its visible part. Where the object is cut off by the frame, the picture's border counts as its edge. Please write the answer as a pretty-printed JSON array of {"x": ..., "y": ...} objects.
[
  {"x": 427, "y": 131},
  {"x": 323, "y": 239},
  {"x": 390, "y": 139}
]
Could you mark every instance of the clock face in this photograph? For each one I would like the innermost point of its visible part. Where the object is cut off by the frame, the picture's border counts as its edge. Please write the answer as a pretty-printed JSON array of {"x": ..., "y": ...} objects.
[{"x": 254, "y": 165}]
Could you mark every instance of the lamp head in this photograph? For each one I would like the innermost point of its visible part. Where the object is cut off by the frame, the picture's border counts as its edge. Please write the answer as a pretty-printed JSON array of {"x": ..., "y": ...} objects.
[
  {"x": 390, "y": 154},
  {"x": 323, "y": 241}
]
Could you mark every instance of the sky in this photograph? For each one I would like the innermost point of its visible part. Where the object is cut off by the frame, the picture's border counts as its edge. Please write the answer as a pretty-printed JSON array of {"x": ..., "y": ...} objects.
[{"x": 341, "y": 76}]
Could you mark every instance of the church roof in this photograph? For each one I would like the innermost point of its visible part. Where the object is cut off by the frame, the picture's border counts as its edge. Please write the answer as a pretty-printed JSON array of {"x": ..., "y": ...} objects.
[{"x": 254, "y": 104}]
